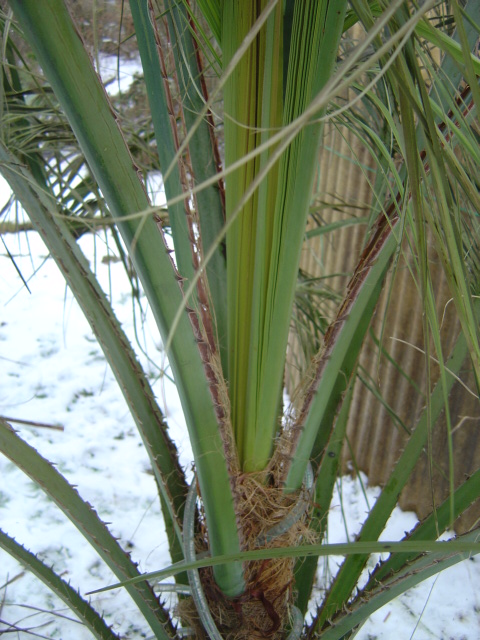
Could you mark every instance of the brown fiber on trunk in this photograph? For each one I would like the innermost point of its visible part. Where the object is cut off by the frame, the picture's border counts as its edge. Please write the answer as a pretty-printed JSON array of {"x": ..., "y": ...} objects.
[{"x": 263, "y": 610}]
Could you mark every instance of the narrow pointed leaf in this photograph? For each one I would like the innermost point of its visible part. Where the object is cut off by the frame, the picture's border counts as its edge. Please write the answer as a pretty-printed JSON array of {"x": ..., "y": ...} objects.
[
  {"x": 408, "y": 577},
  {"x": 80, "y": 607},
  {"x": 82, "y": 515},
  {"x": 42, "y": 211},
  {"x": 350, "y": 571},
  {"x": 461, "y": 545},
  {"x": 65, "y": 62},
  {"x": 205, "y": 162},
  {"x": 338, "y": 357},
  {"x": 162, "y": 124},
  {"x": 306, "y": 569}
]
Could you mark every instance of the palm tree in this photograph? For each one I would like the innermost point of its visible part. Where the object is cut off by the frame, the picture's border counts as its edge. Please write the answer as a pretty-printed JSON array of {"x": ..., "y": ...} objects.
[{"x": 224, "y": 297}]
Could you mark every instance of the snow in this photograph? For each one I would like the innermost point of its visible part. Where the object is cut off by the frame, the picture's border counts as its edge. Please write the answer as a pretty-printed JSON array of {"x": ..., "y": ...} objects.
[
  {"x": 117, "y": 77},
  {"x": 53, "y": 371}
]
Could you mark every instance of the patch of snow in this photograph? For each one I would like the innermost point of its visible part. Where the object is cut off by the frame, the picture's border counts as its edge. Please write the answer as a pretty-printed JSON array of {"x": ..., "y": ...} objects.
[{"x": 117, "y": 77}]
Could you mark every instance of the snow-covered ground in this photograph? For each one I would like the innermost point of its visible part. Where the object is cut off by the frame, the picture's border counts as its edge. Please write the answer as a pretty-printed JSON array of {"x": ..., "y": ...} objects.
[{"x": 52, "y": 371}]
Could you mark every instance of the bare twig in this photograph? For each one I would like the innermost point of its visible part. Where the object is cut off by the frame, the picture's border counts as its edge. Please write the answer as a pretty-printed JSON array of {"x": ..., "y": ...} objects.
[{"x": 33, "y": 423}]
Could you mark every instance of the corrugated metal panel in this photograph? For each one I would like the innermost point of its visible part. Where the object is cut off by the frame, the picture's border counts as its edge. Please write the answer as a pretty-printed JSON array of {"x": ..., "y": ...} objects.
[{"x": 375, "y": 437}]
